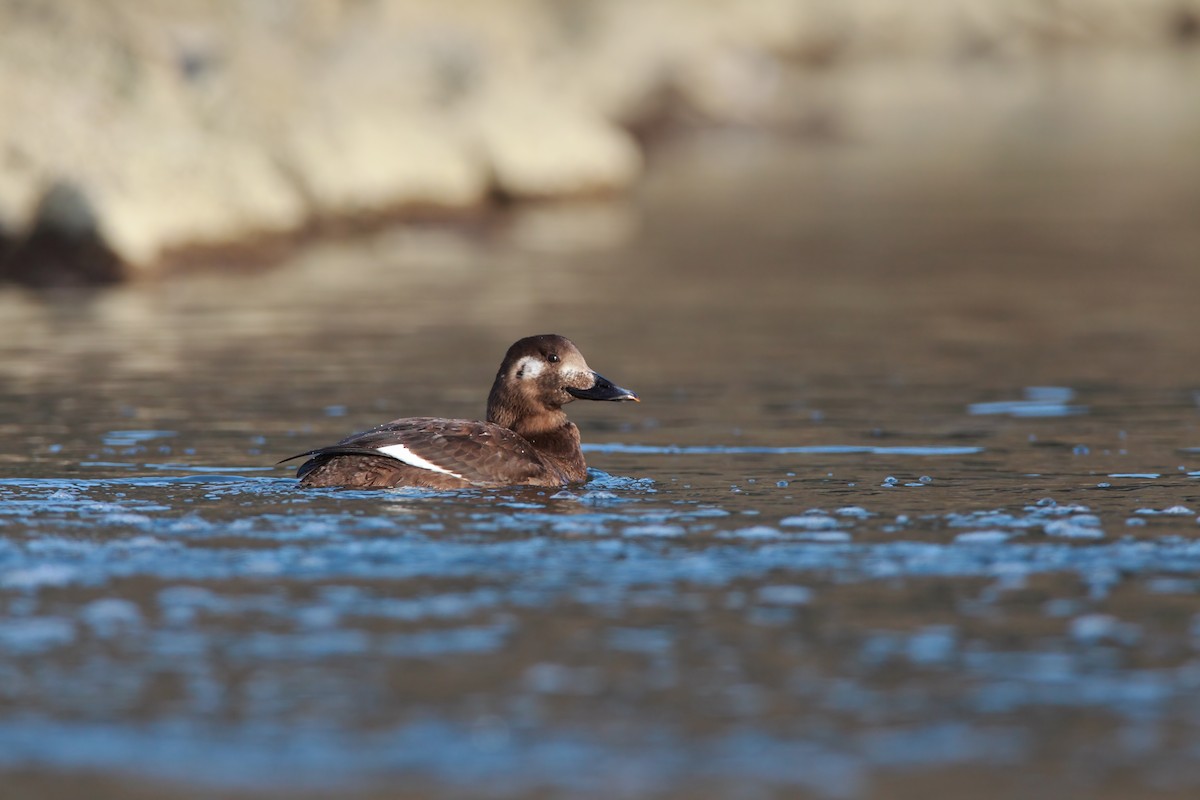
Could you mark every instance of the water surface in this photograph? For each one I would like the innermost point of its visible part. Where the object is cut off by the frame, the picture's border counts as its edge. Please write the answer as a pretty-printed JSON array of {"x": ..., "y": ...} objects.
[{"x": 910, "y": 505}]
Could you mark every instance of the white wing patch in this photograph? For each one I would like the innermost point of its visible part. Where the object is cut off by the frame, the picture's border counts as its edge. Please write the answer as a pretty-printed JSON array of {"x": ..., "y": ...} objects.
[
  {"x": 402, "y": 453},
  {"x": 530, "y": 367}
]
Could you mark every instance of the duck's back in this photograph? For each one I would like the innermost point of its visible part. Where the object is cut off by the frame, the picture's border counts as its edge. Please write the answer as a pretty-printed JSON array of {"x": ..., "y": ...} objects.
[{"x": 432, "y": 453}]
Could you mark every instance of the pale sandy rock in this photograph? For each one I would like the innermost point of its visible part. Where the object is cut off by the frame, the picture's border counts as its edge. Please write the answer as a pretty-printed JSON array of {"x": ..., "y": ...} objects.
[
  {"x": 197, "y": 192},
  {"x": 19, "y": 190},
  {"x": 124, "y": 135},
  {"x": 158, "y": 185},
  {"x": 378, "y": 159},
  {"x": 536, "y": 147}
]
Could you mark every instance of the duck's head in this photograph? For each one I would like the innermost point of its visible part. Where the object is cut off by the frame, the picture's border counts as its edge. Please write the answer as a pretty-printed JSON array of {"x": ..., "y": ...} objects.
[{"x": 541, "y": 374}]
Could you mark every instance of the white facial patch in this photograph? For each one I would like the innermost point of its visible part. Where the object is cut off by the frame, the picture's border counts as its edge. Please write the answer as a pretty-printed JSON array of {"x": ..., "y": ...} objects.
[
  {"x": 530, "y": 367},
  {"x": 402, "y": 453}
]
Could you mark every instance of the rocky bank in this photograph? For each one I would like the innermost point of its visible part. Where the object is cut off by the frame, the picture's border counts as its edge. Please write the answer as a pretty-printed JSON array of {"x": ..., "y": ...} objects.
[{"x": 134, "y": 131}]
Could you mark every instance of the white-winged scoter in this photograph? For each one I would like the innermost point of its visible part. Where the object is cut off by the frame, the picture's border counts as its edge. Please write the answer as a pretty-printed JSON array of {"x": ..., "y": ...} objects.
[{"x": 527, "y": 438}]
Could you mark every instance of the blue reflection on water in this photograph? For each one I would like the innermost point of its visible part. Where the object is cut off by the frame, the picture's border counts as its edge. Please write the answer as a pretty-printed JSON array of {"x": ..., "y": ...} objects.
[{"x": 316, "y": 591}]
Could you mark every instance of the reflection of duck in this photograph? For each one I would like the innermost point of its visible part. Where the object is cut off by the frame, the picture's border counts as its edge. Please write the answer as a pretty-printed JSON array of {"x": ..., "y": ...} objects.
[{"x": 527, "y": 438}]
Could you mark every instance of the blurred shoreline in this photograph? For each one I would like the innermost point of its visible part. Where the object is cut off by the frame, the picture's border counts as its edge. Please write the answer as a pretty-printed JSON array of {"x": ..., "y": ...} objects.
[{"x": 139, "y": 135}]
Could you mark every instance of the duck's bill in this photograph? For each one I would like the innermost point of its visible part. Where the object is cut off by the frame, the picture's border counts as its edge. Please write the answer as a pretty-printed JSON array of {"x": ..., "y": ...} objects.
[{"x": 603, "y": 389}]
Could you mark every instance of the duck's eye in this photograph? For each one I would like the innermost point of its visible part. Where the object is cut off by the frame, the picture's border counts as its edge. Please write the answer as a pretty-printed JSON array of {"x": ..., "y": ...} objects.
[{"x": 552, "y": 358}]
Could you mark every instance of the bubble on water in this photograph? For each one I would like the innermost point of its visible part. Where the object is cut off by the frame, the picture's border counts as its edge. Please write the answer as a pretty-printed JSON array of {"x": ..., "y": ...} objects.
[
  {"x": 810, "y": 521},
  {"x": 599, "y": 498},
  {"x": 1170, "y": 512},
  {"x": 1135, "y": 522},
  {"x": 547, "y": 678},
  {"x": 35, "y": 635},
  {"x": 470, "y": 639},
  {"x": 126, "y": 518},
  {"x": 110, "y": 616},
  {"x": 890, "y": 480},
  {"x": 1079, "y": 527},
  {"x": 934, "y": 644},
  {"x": 823, "y": 536},
  {"x": 1057, "y": 510},
  {"x": 856, "y": 512},
  {"x": 581, "y": 525},
  {"x": 318, "y": 617},
  {"x": 988, "y": 519},
  {"x": 770, "y": 615},
  {"x": 983, "y": 537},
  {"x": 756, "y": 532},
  {"x": 128, "y": 438},
  {"x": 708, "y": 511},
  {"x": 785, "y": 595},
  {"x": 1061, "y": 607},
  {"x": 665, "y": 531},
  {"x": 1166, "y": 585},
  {"x": 38, "y": 576},
  {"x": 639, "y": 640},
  {"x": 180, "y": 604},
  {"x": 1040, "y": 401},
  {"x": 1092, "y": 628},
  {"x": 781, "y": 484},
  {"x": 1103, "y": 485}
]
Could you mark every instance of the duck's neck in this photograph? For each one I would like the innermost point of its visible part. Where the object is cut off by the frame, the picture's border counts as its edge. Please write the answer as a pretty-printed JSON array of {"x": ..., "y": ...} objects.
[
  {"x": 560, "y": 447},
  {"x": 553, "y": 436},
  {"x": 513, "y": 410}
]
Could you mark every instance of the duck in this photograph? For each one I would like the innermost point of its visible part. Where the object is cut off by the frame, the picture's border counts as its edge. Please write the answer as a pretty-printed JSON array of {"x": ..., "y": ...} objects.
[{"x": 526, "y": 439}]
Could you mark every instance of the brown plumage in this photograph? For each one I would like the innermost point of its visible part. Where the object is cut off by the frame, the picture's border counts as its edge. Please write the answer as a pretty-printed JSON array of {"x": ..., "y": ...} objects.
[{"x": 527, "y": 438}]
